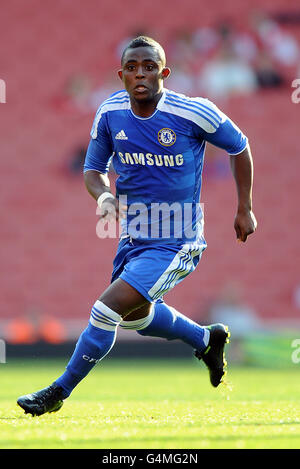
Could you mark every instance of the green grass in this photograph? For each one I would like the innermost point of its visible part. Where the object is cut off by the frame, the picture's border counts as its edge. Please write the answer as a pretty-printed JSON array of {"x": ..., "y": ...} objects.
[{"x": 154, "y": 404}]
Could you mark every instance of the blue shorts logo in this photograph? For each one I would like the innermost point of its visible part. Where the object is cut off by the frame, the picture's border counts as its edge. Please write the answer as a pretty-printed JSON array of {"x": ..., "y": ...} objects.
[{"x": 166, "y": 137}]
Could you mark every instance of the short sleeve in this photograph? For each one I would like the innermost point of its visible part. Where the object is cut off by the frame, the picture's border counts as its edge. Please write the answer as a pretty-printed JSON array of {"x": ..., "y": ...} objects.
[
  {"x": 99, "y": 152},
  {"x": 222, "y": 132}
]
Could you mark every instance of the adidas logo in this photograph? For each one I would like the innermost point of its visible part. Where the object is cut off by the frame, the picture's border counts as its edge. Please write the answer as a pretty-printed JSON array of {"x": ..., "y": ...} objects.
[{"x": 121, "y": 135}]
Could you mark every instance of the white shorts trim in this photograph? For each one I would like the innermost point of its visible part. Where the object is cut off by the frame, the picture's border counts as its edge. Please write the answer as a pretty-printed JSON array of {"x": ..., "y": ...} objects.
[{"x": 181, "y": 265}]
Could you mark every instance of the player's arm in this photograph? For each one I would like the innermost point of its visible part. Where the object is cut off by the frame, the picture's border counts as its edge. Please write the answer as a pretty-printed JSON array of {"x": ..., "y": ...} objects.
[
  {"x": 96, "y": 167},
  {"x": 226, "y": 135},
  {"x": 98, "y": 185},
  {"x": 242, "y": 170}
]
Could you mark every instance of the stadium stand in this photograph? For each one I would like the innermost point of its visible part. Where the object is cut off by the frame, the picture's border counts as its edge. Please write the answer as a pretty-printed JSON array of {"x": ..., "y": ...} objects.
[{"x": 51, "y": 260}]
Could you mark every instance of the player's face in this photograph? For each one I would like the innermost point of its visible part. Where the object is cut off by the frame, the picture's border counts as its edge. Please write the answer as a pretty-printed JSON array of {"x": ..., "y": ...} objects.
[{"x": 142, "y": 73}]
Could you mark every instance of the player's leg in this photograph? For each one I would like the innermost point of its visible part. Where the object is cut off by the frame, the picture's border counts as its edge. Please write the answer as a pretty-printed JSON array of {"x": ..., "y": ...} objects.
[
  {"x": 98, "y": 338},
  {"x": 166, "y": 322},
  {"x": 93, "y": 345},
  {"x": 156, "y": 275},
  {"x": 155, "y": 271},
  {"x": 208, "y": 342}
]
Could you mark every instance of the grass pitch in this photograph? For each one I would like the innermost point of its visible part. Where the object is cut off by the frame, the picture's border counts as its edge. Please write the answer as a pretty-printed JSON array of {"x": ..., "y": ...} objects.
[{"x": 153, "y": 405}]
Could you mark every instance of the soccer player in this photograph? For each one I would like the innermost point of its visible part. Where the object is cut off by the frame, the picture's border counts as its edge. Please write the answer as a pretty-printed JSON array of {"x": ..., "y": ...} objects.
[{"x": 156, "y": 140}]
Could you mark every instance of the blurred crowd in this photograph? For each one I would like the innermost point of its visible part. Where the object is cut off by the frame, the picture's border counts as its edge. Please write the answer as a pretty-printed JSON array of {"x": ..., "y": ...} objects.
[
  {"x": 224, "y": 60},
  {"x": 214, "y": 61},
  {"x": 218, "y": 62}
]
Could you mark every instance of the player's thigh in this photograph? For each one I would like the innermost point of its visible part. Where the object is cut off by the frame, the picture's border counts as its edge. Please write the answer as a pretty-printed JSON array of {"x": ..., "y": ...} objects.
[
  {"x": 123, "y": 298},
  {"x": 157, "y": 269}
]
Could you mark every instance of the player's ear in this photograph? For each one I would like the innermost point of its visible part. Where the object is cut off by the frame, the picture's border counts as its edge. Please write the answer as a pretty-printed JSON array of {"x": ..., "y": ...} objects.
[
  {"x": 120, "y": 73},
  {"x": 165, "y": 73}
]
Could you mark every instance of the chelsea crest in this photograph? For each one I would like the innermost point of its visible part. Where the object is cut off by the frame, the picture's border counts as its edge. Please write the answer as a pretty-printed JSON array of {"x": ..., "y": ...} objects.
[{"x": 166, "y": 137}]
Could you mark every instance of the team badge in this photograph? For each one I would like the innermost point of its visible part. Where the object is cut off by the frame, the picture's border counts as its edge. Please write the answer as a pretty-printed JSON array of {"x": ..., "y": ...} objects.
[{"x": 166, "y": 137}]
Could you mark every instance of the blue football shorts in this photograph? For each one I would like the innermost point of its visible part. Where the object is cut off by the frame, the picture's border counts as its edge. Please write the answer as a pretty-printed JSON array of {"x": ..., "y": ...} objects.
[{"x": 154, "y": 268}]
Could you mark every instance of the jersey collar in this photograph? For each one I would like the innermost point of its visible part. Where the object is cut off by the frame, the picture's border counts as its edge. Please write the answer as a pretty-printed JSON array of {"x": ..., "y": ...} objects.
[{"x": 158, "y": 106}]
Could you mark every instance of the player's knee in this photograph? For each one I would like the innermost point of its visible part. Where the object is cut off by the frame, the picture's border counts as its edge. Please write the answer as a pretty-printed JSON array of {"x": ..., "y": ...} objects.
[{"x": 122, "y": 298}]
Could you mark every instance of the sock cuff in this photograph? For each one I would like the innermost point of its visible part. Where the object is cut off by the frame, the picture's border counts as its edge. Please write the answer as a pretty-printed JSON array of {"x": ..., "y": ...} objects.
[
  {"x": 138, "y": 324},
  {"x": 103, "y": 317}
]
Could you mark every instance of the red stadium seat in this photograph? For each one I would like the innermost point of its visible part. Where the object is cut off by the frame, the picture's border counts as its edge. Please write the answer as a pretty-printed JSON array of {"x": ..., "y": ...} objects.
[{"x": 52, "y": 257}]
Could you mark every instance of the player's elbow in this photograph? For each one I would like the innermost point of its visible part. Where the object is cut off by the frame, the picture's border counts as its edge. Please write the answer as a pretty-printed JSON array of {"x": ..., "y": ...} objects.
[
  {"x": 88, "y": 177},
  {"x": 94, "y": 181}
]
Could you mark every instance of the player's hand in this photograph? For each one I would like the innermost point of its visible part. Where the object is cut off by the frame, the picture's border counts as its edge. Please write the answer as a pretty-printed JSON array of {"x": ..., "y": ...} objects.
[
  {"x": 111, "y": 209},
  {"x": 244, "y": 224}
]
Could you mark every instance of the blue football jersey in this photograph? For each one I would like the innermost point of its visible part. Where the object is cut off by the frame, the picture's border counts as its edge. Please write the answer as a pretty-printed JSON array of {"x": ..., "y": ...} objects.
[{"x": 159, "y": 160}]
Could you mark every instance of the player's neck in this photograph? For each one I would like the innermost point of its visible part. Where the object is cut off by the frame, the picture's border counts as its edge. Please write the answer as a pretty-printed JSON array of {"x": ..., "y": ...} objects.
[{"x": 145, "y": 108}]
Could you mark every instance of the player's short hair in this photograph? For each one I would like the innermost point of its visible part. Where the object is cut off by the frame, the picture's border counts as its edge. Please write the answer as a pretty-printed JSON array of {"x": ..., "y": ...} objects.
[{"x": 145, "y": 41}]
